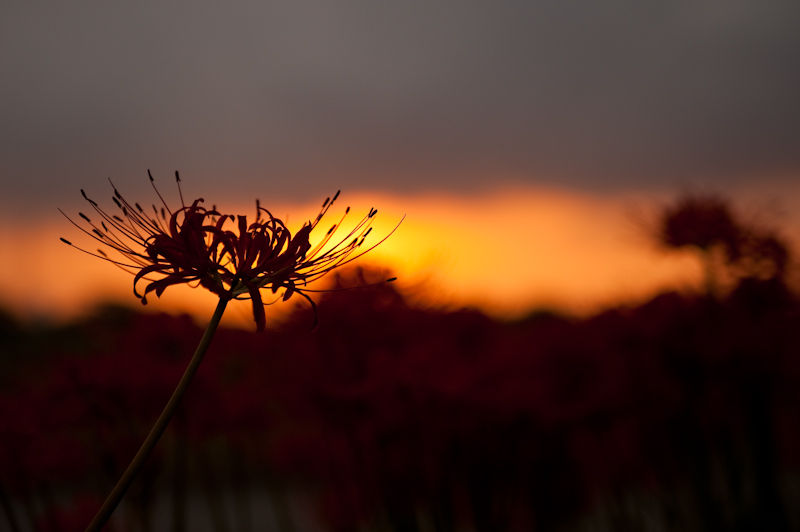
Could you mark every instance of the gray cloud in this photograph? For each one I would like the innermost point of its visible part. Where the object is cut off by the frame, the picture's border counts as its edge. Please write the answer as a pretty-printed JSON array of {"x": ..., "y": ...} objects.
[{"x": 397, "y": 95}]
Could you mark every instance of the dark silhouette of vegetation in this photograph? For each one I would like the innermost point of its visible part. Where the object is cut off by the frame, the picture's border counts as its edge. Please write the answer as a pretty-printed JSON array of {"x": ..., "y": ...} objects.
[
  {"x": 677, "y": 414},
  {"x": 728, "y": 247}
]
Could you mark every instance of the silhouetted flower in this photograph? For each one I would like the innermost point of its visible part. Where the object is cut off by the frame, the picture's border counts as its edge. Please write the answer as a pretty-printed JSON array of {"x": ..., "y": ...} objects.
[{"x": 193, "y": 244}]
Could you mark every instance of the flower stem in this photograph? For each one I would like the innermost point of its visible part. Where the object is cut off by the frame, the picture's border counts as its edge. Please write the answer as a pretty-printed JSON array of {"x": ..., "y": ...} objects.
[{"x": 116, "y": 494}]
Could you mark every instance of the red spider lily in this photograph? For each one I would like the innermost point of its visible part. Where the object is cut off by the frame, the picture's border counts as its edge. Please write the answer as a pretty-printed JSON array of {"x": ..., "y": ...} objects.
[{"x": 192, "y": 244}]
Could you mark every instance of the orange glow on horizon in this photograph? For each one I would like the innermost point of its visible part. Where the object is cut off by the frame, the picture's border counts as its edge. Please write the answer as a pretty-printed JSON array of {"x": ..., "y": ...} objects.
[{"x": 506, "y": 252}]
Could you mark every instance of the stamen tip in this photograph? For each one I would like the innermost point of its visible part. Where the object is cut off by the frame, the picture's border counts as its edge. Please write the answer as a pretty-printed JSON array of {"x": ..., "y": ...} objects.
[
  {"x": 64, "y": 240},
  {"x": 87, "y": 198}
]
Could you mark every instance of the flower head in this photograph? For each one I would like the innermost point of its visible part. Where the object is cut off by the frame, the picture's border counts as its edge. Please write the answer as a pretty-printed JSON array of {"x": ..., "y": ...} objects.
[{"x": 220, "y": 252}]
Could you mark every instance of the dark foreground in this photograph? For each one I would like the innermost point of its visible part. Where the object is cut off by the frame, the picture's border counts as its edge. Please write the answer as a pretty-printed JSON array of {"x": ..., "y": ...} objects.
[{"x": 680, "y": 414}]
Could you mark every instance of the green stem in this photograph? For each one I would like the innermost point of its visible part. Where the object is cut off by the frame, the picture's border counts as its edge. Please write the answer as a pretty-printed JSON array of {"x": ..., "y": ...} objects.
[{"x": 159, "y": 426}]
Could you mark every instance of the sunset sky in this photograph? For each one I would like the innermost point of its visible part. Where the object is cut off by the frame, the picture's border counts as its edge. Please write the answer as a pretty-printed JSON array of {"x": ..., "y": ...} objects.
[{"x": 528, "y": 143}]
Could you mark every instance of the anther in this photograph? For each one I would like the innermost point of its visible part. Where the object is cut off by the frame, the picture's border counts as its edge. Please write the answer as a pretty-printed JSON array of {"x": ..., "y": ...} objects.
[
  {"x": 84, "y": 217},
  {"x": 150, "y": 175},
  {"x": 391, "y": 279},
  {"x": 64, "y": 240},
  {"x": 117, "y": 202},
  {"x": 139, "y": 208},
  {"x": 98, "y": 233},
  {"x": 177, "y": 177},
  {"x": 83, "y": 193}
]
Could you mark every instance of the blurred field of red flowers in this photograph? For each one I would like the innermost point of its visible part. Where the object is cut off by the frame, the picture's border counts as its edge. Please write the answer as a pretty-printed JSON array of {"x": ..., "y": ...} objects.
[{"x": 677, "y": 414}]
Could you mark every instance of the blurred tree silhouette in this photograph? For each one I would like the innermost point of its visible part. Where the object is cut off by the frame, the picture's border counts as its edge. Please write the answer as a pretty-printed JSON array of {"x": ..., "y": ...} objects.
[{"x": 730, "y": 250}]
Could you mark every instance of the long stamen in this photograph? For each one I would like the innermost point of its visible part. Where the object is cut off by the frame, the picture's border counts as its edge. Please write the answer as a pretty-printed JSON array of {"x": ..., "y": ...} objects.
[
  {"x": 153, "y": 184},
  {"x": 180, "y": 192}
]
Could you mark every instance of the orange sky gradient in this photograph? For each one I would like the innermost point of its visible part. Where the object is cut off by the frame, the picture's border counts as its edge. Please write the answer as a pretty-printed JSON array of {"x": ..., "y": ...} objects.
[{"x": 506, "y": 251}]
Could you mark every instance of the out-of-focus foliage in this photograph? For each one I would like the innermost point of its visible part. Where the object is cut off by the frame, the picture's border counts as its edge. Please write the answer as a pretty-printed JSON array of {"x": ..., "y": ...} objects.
[
  {"x": 679, "y": 414},
  {"x": 731, "y": 249}
]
